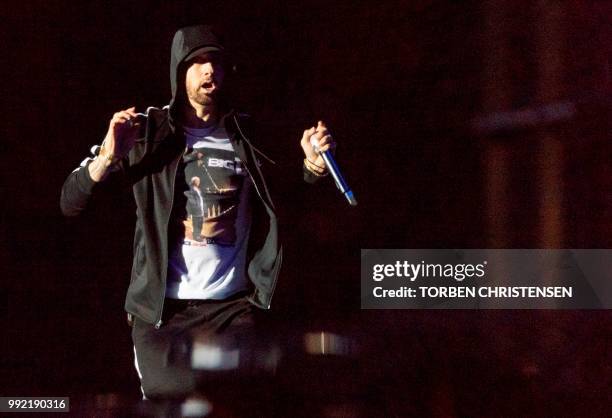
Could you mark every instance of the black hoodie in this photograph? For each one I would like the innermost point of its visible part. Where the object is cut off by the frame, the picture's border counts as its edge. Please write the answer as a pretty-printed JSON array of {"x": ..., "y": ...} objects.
[
  {"x": 151, "y": 168},
  {"x": 187, "y": 43}
]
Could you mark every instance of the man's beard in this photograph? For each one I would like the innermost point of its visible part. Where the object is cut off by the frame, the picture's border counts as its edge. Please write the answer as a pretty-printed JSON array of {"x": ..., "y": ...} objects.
[{"x": 204, "y": 99}]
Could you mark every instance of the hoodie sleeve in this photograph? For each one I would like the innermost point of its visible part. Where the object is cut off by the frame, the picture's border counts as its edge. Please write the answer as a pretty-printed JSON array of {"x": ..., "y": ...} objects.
[
  {"x": 78, "y": 188},
  {"x": 309, "y": 176}
]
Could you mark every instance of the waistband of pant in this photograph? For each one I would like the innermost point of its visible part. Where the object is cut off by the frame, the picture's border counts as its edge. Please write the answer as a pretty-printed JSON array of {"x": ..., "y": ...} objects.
[{"x": 198, "y": 302}]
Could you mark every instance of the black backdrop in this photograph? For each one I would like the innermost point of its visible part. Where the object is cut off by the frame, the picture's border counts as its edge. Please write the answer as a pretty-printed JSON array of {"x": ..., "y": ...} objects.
[{"x": 398, "y": 83}]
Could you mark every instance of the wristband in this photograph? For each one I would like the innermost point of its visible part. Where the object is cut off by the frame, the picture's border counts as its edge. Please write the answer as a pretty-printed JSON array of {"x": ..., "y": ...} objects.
[
  {"x": 110, "y": 159},
  {"x": 315, "y": 169},
  {"x": 316, "y": 165}
]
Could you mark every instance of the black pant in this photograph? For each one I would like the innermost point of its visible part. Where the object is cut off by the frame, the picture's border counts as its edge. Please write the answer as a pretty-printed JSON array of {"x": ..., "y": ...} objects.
[{"x": 163, "y": 356}]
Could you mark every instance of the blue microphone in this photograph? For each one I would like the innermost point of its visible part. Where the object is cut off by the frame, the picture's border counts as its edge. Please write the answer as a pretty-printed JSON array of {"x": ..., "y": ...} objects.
[{"x": 333, "y": 168}]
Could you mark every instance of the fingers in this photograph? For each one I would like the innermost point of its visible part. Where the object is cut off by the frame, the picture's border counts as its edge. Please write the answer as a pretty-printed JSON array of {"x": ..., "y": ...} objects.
[
  {"x": 326, "y": 143},
  {"x": 130, "y": 112},
  {"x": 123, "y": 127},
  {"x": 119, "y": 119},
  {"x": 306, "y": 136},
  {"x": 320, "y": 131},
  {"x": 317, "y": 139},
  {"x": 323, "y": 138},
  {"x": 127, "y": 118}
]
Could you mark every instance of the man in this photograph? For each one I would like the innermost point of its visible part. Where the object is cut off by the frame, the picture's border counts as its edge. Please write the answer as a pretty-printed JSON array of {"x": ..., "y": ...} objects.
[{"x": 182, "y": 287}]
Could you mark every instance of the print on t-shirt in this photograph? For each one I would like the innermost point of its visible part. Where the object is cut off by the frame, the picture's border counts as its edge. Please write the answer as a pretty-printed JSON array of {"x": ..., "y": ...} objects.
[{"x": 215, "y": 178}]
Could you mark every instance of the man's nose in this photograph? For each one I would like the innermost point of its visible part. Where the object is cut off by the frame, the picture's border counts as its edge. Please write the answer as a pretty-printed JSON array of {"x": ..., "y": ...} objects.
[{"x": 208, "y": 70}]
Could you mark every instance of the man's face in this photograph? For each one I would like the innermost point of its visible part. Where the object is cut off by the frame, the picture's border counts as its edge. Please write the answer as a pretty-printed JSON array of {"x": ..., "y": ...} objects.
[{"x": 204, "y": 78}]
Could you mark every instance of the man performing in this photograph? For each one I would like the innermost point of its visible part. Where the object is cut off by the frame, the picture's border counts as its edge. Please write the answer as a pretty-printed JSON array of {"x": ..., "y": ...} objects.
[{"x": 209, "y": 275}]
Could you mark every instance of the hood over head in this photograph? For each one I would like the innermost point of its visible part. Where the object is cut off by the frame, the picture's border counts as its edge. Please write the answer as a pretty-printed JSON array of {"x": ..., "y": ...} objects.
[{"x": 189, "y": 42}]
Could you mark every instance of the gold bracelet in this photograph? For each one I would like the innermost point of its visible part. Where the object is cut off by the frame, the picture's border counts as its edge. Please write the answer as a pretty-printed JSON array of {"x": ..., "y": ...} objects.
[
  {"x": 311, "y": 167},
  {"x": 110, "y": 159},
  {"x": 316, "y": 165}
]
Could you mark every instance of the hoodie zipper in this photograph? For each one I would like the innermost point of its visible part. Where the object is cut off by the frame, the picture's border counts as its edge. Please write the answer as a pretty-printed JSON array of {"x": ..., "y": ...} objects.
[
  {"x": 263, "y": 200},
  {"x": 259, "y": 193},
  {"x": 255, "y": 162},
  {"x": 158, "y": 324}
]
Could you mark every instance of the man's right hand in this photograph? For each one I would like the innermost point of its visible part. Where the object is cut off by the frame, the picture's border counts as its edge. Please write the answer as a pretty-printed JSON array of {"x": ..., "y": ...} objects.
[{"x": 122, "y": 132}]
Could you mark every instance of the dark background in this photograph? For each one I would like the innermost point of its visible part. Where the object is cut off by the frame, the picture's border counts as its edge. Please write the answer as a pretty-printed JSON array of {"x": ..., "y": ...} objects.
[{"x": 405, "y": 87}]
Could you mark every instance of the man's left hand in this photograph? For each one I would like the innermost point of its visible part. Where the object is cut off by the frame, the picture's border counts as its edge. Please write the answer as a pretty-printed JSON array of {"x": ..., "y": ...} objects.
[{"x": 314, "y": 141}]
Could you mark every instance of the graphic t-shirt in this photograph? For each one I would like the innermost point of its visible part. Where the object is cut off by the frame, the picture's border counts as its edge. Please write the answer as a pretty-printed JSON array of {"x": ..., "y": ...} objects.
[{"x": 210, "y": 219}]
